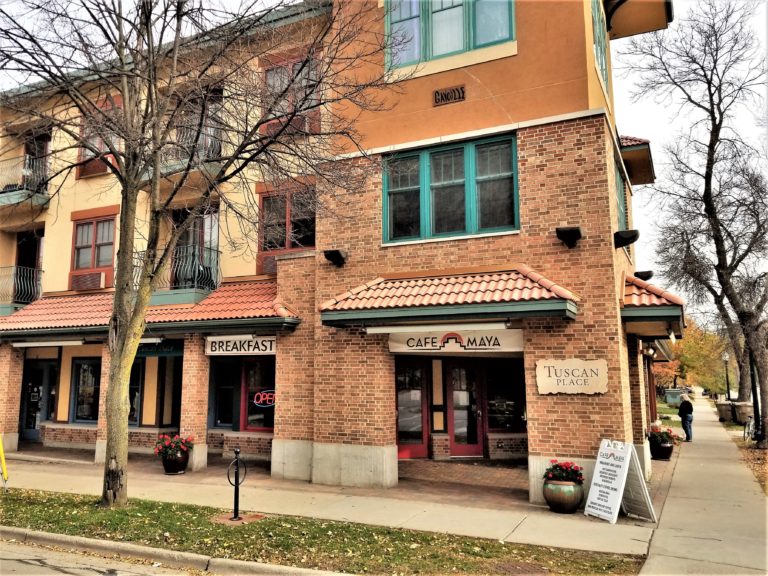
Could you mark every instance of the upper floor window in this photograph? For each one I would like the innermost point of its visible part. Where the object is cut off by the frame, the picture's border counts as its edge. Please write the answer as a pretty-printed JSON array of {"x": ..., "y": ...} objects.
[
  {"x": 621, "y": 199},
  {"x": 293, "y": 90},
  {"x": 96, "y": 137},
  {"x": 94, "y": 244},
  {"x": 467, "y": 188},
  {"x": 600, "y": 43},
  {"x": 287, "y": 221},
  {"x": 427, "y": 29}
]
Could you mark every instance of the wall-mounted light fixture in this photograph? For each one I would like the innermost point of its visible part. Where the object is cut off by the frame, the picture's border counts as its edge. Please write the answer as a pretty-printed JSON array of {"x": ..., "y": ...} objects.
[
  {"x": 644, "y": 275},
  {"x": 150, "y": 340},
  {"x": 625, "y": 238},
  {"x": 649, "y": 351},
  {"x": 47, "y": 343},
  {"x": 335, "y": 257},
  {"x": 569, "y": 235}
]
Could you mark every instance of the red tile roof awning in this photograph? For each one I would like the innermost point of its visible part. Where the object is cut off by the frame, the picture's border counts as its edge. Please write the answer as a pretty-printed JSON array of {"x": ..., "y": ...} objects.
[
  {"x": 636, "y": 154},
  {"x": 235, "y": 301},
  {"x": 512, "y": 292},
  {"x": 651, "y": 311}
]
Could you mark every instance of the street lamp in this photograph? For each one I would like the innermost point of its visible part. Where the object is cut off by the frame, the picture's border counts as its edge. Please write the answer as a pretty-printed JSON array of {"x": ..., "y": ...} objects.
[{"x": 727, "y": 357}]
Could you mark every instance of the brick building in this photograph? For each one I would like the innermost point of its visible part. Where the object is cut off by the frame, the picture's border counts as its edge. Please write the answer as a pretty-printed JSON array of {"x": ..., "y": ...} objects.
[{"x": 476, "y": 298}]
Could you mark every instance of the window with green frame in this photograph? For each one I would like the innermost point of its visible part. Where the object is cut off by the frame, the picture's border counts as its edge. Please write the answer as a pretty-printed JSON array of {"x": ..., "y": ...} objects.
[
  {"x": 428, "y": 29},
  {"x": 600, "y": 33},
  {"x": 621, "y": 199},
  {"x": 454, "y": 190}
]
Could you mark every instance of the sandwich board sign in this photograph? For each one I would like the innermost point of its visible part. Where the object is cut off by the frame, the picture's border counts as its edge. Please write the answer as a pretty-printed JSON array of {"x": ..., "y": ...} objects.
[{"x": 618, "y": 480}]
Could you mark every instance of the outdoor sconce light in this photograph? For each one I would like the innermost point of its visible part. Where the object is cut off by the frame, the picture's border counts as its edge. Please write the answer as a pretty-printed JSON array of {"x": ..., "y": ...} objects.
[
  {"x": 644, "y": 275},
  {"x": 335, "y": 257},
  {"x": 569, "y": 235},
  {"x": 649, "y": 351},
  {"x": 625, "y": 238}
]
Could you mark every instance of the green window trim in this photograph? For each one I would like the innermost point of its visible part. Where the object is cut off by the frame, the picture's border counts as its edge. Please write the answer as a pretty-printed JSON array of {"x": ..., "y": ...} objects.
[
  {"x": 472, "y": 35},
  {"x": 621, "y": 199},
  {"x": 472, "y": 209},
  {"x": 599, "y": 31}
]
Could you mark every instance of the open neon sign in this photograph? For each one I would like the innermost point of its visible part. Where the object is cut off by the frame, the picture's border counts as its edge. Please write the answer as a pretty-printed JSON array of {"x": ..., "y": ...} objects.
[{"x": 264, "y": 399}]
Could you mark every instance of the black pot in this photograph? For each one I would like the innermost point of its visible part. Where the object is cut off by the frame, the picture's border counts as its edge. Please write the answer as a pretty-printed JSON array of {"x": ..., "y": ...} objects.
[
  {"x": 661, "y": 451},
  {"x": 177, "y": 463}
]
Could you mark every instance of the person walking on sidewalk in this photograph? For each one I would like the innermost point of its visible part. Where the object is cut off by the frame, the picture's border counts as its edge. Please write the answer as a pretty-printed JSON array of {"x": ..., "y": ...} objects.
[{"x": 686, "y": 416}]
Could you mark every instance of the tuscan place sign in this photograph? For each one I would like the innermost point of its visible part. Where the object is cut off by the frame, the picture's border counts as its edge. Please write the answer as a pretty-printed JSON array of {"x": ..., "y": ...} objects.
[
  {"x": 457, "y": 342},
  {"x": 572, "y": 376},
  {"x": 451, "y": 95},
  {"x": 241, "y": 345}
]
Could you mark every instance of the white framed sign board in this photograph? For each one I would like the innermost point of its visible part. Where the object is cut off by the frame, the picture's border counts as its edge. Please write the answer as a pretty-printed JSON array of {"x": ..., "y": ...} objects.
[{"x": 618, "y": 480}]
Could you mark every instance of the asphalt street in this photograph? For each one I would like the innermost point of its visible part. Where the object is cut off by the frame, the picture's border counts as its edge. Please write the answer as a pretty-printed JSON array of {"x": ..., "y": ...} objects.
[{"x": 27, "y": 560}]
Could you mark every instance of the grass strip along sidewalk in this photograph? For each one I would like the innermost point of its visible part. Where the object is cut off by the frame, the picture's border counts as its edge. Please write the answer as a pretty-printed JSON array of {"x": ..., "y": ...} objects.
[{"x": 294, "y": 541}]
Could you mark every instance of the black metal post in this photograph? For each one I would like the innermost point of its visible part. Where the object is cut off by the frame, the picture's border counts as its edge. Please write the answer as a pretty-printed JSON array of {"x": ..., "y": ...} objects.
[
  {"x": 759, "y": 432},
  {"x": 236, "y": 511},
  {"x": 727, "y": 383}
]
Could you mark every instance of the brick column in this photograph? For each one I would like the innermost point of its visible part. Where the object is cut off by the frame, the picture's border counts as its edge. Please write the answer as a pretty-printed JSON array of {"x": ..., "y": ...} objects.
[
  {"x": 194, "y": 398},
  {"x": 11, "y": 368},
  {"x": 637, "y": 390},
  {"x": 101, "y": 426}
]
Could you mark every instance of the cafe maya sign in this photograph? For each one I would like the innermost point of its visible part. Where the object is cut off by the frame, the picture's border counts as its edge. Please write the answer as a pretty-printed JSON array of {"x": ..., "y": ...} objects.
[
  {"x": 572, "y": 376},
  {"x": 457, "y": 341},
  {"x": 240, "y": 345}
]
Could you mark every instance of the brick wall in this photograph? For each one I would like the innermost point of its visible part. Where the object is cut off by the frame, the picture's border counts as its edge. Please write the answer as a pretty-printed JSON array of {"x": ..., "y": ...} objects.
[
  {"x": 565, "y": 176},
  {"x": 637, "y": 389},
  {"x": 11, "y": 368},
  {"x": 507, "y": 446},
  {"x": 194, "y": 388},
  {"x": 215, "y": 439},
  {"x": 101, "y": 425},
  {"x": 68, "y": 434},
  {"x": 295, "y": 357},
  {"x": 256, "y": 446},
  {"x": 439, "y": 446}
]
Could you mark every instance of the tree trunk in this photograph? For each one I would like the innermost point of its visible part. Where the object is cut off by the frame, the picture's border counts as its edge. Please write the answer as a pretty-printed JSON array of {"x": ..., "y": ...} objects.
[
  {"x": 116, "y": 462},
  {"x": 757, "y": 339},
  {"x": 745, "y": 382}
]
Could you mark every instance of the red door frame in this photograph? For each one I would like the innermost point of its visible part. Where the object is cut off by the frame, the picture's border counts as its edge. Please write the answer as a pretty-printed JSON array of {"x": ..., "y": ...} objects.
[
  {"x": 406, "y": 451},
  {"x": 465, "y": 449}
]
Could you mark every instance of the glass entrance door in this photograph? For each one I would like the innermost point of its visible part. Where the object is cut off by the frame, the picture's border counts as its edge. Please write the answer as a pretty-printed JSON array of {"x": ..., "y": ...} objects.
[
  {"x": 38, "y": 395},
  {"x": 465, "y": 415},
  {"x": 411, "y": 378}
]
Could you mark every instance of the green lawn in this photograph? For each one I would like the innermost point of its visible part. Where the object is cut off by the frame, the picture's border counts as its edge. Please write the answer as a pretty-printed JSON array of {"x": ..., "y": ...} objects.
[{"x": 296, "y": 541}]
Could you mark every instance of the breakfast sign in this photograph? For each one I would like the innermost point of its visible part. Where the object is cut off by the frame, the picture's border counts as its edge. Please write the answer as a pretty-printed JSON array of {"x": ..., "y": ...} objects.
[
  {"x": 240, "y": 345},
  {"x": 572, "y": 376}
]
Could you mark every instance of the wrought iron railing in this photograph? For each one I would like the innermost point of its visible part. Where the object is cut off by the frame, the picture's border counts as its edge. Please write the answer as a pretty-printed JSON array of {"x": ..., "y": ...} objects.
[
  {"x": 190, "y": 142},
  {"x": 24, "y": 173},
  {"x": 190, "y": 267},
  {"x": 20, "y": 285}
]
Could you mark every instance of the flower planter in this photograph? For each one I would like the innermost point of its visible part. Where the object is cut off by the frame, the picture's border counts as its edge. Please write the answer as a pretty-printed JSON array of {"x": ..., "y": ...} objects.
[
  {"x": 176, "y": 464},
  {"x": 661, "y": 451},
  {"x": 562, "y": 496}
]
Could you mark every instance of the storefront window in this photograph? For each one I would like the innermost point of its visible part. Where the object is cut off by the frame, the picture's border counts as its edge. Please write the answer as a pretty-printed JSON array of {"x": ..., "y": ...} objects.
[
  {"x": 134, "y": 392},
  {"x": 226, "y": 374},
  {"x": 506, "y": 399},
  {"x": 86, "y": 376},
  {"x": 410, "y": 388},
  {"x": 259, "y": 394}
]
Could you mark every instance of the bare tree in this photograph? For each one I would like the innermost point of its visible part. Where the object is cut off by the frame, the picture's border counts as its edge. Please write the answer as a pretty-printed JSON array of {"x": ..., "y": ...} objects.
[
  {"x": 171, "y": 97},
  {"x": 714, "y": 241}
]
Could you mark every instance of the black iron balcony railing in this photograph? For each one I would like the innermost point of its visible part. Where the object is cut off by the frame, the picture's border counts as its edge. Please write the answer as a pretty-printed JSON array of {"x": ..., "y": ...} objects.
[
  {"x": 20, "y": 285},
  {"x": 187, "y": 144},
  {"x": 24, "y": 173},
  {"x": 191, "y": 266}
]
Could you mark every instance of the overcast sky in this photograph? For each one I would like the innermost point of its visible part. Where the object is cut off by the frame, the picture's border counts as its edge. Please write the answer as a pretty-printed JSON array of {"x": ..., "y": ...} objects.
[{"x": 659, "y": 122}]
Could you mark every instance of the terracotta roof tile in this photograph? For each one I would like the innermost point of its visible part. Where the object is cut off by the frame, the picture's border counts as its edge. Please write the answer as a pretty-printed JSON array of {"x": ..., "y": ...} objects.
[
  {"x": 237, "y": 300},
  {"x": 518, "y": 284},
  {"x": 625, "y": 141},
  {"x": 640, "y": 293}
]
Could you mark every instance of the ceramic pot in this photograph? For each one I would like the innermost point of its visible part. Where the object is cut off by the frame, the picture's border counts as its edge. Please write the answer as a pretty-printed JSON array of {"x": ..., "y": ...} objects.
[
  {"x": 661, "y": 451},
  {"x": 176, "y": 464},
  {"x": 562, "y": 496}
]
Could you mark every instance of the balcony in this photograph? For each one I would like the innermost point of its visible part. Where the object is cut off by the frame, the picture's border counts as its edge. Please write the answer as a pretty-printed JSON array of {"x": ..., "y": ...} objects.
[
  {"x": 23, "y": 178},
  {"x": 19, "y": 286},
  {"x": 203, "y": 153},
  {"x": 192, "y": 273}
]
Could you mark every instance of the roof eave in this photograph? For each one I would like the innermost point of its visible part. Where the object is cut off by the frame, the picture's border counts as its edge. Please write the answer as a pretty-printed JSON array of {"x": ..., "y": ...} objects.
[{"x": 549, "y": 308}]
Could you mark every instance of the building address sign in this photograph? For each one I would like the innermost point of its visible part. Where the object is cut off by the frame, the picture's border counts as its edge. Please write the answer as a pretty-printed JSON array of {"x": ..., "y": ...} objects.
[
  {"x": 572, "y": 376},
  {"x": 451, "y": 95},
  {"x": 240, "y": 345}
]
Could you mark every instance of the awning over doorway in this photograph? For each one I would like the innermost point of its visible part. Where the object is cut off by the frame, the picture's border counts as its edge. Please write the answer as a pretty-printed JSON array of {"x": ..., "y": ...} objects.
[
  {"x": 255, "y": 304},
  {"x": 512, "y": 292},
  {"x": 636, "y": 154},
  {"x": 650, "y": 311}
]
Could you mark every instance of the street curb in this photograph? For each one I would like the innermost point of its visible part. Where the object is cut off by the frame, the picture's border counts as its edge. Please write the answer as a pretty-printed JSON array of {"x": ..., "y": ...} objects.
[{"x": 165, "y": 557}]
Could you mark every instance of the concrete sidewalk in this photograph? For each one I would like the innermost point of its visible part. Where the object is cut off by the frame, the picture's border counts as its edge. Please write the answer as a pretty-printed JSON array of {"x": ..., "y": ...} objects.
[
  {"x": 714, "y": 520},
  {"x": 513, "y": 522}
]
